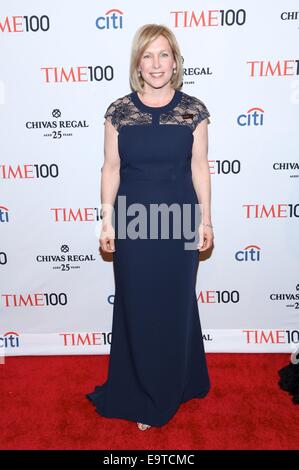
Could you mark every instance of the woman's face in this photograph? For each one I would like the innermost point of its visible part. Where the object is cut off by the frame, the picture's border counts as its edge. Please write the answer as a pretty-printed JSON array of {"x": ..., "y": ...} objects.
[{"x": 157, "y": 63}]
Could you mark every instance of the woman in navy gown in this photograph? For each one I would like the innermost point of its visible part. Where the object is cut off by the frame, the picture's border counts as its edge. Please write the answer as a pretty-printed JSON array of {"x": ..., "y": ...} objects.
[{"x": 156, "y": 145}]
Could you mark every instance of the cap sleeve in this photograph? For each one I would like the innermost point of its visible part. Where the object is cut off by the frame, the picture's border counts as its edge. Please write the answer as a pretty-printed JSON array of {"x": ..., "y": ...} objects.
[
  {"x": 111, "y": 115},
  {"x": 202, "y": 113}
]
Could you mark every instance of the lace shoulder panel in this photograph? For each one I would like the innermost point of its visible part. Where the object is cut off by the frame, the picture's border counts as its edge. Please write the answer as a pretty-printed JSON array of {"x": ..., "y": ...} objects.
[
  {"x": 123, "y": 112},
  {"x": 190, "y": 112},
  {"x": 197, "y": 107}
]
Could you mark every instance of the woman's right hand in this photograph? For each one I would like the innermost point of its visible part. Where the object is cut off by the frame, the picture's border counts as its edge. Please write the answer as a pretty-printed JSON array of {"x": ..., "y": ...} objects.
[{"x": 107, "y": 237}]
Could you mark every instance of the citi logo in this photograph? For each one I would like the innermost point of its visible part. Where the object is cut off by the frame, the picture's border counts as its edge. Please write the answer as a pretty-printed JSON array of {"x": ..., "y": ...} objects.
[
  {"x": 253, "y": 117},
  {"x": 10, "y": 340},
  {"x": 113, "y": 19},
  {"x": 249, "y": 253},
  {"x": 4, "y": 214}
]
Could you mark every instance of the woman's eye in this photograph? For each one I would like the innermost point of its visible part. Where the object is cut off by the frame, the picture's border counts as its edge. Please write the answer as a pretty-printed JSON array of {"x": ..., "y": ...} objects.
[{"x": 164, "y": 54}]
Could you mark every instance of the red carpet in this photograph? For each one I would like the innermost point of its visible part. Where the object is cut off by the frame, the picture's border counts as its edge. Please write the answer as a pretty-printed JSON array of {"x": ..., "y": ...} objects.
[{"x": 43, "y": 406}]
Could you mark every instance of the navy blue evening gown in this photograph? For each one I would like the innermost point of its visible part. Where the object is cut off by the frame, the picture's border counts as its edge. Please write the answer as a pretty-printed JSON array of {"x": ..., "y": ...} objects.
[{"x": 157, "y": 356}]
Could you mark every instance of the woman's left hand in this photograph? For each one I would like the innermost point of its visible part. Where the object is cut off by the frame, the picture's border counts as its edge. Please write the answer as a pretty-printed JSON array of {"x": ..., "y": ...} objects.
[{"x": 206, "y": 237}]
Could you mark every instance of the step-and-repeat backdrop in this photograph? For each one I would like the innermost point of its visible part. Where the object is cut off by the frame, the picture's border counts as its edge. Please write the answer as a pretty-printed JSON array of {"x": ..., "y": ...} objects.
[{"x": 62, "y": 63}]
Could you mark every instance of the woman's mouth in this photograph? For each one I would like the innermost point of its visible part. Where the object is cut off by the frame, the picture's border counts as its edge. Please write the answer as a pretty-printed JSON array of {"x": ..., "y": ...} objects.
[{"x": 157, "y": 74}]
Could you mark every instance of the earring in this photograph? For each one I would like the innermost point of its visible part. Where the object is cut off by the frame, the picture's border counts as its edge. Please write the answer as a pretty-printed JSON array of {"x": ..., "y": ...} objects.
[{"x": 174, "y": 70}]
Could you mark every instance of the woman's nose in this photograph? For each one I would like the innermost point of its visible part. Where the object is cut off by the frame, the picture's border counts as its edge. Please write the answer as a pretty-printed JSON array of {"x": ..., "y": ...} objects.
[{"x": 156, "y": 62}]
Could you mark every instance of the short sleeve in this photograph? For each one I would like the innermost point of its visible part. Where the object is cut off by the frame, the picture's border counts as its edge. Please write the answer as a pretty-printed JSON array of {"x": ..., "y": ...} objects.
[
  {"x": 111, "y": 115},
  {"x": 202, "y": 113}
]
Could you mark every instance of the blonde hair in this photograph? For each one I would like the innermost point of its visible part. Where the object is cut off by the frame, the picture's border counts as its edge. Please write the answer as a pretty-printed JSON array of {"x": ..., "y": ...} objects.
[{"x": 145, "y": 35}]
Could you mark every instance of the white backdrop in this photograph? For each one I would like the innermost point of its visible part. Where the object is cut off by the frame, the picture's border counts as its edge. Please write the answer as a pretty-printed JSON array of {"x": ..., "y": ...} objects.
[{"x": 62, "y": 64}]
